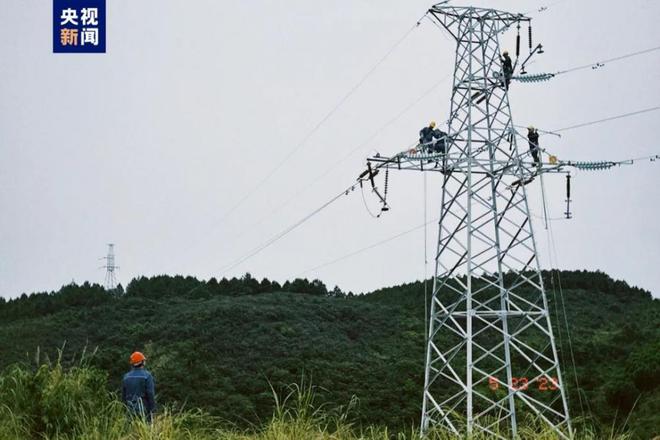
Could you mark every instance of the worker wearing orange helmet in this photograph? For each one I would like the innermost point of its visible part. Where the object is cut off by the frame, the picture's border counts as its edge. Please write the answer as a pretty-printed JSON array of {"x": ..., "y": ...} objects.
[{"x": 138, "y": 388}]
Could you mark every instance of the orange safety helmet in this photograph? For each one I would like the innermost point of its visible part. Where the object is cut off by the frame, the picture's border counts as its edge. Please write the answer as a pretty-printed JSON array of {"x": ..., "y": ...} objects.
[{"x": 137, "y": 358}]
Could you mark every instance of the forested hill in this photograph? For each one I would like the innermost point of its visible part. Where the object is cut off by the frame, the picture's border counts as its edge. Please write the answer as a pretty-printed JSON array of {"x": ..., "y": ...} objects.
[{"x": 217, "y": 344}]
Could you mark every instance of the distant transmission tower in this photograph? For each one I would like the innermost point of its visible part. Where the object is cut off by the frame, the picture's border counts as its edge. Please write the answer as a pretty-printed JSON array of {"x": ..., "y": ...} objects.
[
  {"x": 110, "y": 280},
  {"x": 491, "y": 357}
]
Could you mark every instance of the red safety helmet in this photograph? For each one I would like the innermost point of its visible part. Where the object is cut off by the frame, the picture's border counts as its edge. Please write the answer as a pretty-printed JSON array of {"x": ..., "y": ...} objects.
[{"x": 137, "y": 358}]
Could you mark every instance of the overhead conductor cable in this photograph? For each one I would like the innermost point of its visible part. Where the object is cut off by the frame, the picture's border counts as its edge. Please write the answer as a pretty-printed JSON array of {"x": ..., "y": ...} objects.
[{"x": 323, "y": 120}]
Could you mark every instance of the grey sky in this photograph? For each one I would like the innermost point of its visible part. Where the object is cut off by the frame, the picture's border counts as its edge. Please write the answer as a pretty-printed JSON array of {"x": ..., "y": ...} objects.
[{"x": 149, "y": 145}]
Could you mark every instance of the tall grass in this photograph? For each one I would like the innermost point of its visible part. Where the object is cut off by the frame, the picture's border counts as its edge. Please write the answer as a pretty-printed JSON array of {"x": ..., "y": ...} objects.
[{"x": 48, "y": 402}]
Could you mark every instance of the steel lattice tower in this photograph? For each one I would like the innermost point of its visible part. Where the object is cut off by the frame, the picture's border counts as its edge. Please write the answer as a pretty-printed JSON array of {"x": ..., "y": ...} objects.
[
  {"x": 110, "y": 280},
  {"x": 491, "y": 358},
  {"x": 491, "y": 353}
]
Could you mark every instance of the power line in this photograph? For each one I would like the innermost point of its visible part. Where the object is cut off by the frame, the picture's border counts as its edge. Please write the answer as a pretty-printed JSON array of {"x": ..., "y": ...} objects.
[
  {"x": 611, "y": 118},
  {"x": 598, "y": 121},
  {"x": 325, "y": 173},
  {"x": 398, "y": 116},
  {"x": 360, "y": 181},
  {"x": 323, "y": 120},
  {"x": 601, "y": 63},
  {"x": 405, "y": 110},
  {"x": 286, "y": 231},
  {"x": 542, "y": 8},
  {"x": 348, "y": 155},
  {"x": 366, "y": 248},
  {"x": 552, "y": 248},
  {"x": 594, "y": 66},
  {"x": 359, "y": 84},
  {"x": 366, "y": 205}
]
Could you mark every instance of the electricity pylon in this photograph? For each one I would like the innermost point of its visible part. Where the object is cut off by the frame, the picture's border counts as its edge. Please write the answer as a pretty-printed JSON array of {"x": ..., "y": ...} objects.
[
  {"x": 110, "y": 280},
  {"x": 491, "y": 357}
]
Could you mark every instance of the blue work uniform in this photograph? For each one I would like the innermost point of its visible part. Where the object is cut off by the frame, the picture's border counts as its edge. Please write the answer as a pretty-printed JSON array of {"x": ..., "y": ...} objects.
[
  {"x": 426, "y": 135},
  {"x": 439, "y": 141},
  {"x": 138, "y": 392},
  {"x": 507, "y": 67},
  {"x": 533, "y": 138}
]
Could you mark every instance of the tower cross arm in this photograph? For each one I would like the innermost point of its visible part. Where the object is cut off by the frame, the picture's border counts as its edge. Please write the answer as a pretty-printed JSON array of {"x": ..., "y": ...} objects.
[{"x": 450, "y": 17}]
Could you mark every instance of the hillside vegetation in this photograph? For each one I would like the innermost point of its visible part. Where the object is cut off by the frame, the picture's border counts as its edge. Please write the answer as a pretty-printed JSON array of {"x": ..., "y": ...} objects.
[
  {"x": 54, "y": 403},
  {"x": 224, "y": 346}
]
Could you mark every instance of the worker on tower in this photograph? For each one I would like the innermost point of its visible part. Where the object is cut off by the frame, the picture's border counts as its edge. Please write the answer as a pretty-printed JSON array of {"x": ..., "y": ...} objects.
[
  {"x": 138, "y": 389},
  {"x": 426, "y": 136},
  {"x": 533, "y": 139},
  {"x": 439, "y": 141},
  {"x": 507, "y": 68},
  {"x": 432, "y": 140}
]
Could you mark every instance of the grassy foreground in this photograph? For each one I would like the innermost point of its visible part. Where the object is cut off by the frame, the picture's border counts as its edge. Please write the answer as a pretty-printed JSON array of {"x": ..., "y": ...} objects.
[{"x": 53, "y": 403}]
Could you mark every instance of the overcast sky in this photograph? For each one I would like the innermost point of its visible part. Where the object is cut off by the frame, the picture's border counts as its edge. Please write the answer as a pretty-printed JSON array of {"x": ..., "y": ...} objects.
[{"x": 150, "y": 145}]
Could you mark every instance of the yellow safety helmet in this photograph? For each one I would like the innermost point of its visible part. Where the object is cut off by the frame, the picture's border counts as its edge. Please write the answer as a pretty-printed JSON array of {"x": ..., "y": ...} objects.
[
  {"x": 553, "y": 159},
  {"x": 432, "y": 124},
  {"x": 530, "y": 128}
]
